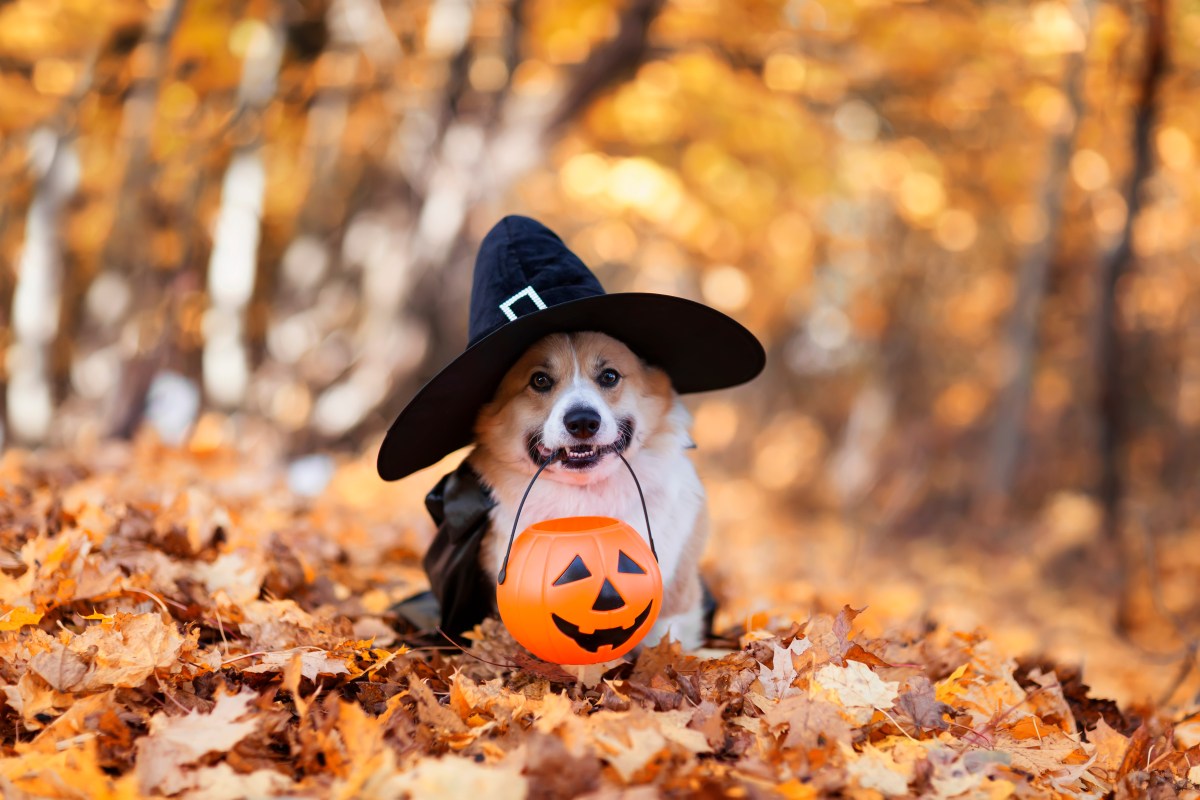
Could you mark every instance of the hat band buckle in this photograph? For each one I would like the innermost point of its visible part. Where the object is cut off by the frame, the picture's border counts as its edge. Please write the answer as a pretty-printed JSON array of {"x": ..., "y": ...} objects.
[{"x": 528, "y": 291}]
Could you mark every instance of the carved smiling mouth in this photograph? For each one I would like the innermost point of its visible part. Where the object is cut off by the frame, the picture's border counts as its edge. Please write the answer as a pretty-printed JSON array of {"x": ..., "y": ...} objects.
[
  {"x": 613, "y": 637},
  {"x": 580, "y": 456}
]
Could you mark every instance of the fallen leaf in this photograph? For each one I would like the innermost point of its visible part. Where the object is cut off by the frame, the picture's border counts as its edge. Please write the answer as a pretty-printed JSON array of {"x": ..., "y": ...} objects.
[
  {"x": 124, "y": 654},
  {"x": 920, "y": 706},
  {"x": 313, "y": 663},
  {"x": 627, "y": 749},
  {"x": 16, "y": 618},
  {"x": 1049, "y": 752},
  {"x": 221, "y": 782},
  {"x": 777, "y": 680},
  {"x": 810, "y": 722},
  {"x": 72, "y": 772},
  {"x": 176, "y": 741},
  {"x": 860, "y": 691},
  {"x": 875, "y": 769},
  {"x": 461, "y": 777}
]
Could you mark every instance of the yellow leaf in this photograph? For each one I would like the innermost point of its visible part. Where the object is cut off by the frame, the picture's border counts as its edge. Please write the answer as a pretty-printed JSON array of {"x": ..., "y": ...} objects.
[
  {"x": 105, "y": 620},
  {"x": 71, "y": 772},
  {"x": 795, "y": 790},
  {"x": 17, "y": 618},
  {"x": 948, "y": 688}
]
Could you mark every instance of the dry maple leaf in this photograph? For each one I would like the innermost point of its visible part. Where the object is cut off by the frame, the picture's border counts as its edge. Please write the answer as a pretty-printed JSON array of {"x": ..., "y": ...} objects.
[
  {"x": 860, "y": 691},
  {"x": 72, "y": 772},
  {"x": 810, "y": 722},
  {"x": 239, "y": 574},
  {"x": 123, "y": 654},
  {"x": 175, "y": 742},
  {"x": 283, "y": 624},
  {"x": 36, "y": 701},
  {"x": 921, "y": 707},
  {"x": 830, "y": 637},
  {"x": 312, "y": 663},
  {"x": 1110, "y": 748},
  {"x": 956, "y": 774},
  {"x": 984, "y": 687},
  {"x": 1048, "y": 750},
  {"x": 777, "y": 681},
  {"x": 459, "y": 777},
  {"x": 676, "y": 727},
  {"x": 221, "y": 782},
  {"x": 13, "y": 619},
  {"x": 469, "y": 699},
  {"x": 628, "y": 748},
  {"x": 875, "y": 769}
]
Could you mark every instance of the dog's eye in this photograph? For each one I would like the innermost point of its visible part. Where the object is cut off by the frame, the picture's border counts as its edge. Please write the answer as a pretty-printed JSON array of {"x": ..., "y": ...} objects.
[
  {"x": 541, "y": 382},
  {"x": 609, "y": 377}
]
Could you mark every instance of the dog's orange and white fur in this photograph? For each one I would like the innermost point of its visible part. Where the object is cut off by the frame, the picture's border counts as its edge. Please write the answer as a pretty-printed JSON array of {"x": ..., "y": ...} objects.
[{"x": 541, "y": 409}]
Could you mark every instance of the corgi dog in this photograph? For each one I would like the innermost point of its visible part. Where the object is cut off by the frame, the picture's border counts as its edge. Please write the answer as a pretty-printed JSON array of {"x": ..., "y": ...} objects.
[{"x": 580, "y": 399}]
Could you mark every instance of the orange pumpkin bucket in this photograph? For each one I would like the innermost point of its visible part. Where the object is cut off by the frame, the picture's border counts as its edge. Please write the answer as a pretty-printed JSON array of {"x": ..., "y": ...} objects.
[{"x": 579, "y": 590}]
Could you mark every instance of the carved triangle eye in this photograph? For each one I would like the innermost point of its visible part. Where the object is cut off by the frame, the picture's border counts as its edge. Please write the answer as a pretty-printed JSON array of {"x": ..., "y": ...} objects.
[
  {"x": 628, "y": 565},
  {"x": 575, "y": 571}
]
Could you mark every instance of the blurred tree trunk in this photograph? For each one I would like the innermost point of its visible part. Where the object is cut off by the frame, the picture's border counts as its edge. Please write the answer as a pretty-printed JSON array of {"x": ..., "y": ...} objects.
[
  {"x": 1116, "y": 262},
  {"x": 235, "y": 274},
  {"x": 37, "y": 297},
  {"x": 127, "y": 250},
  {"x": 1033, "y": 273}
]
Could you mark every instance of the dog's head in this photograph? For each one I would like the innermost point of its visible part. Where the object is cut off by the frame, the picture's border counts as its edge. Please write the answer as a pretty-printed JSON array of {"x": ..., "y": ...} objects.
[{"x": 581, "y": 398}]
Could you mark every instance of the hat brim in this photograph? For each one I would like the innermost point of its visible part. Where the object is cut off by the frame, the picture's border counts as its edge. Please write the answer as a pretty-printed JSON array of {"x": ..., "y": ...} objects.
[{"x": 700, "y": 348}]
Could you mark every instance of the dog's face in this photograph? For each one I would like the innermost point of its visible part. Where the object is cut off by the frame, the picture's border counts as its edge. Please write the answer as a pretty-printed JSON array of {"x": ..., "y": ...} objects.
[{"x": 581, "y": 398}]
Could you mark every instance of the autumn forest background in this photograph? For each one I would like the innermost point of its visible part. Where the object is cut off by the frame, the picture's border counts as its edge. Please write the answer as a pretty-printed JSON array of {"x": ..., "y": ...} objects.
[{"x": 239, "y": 235}]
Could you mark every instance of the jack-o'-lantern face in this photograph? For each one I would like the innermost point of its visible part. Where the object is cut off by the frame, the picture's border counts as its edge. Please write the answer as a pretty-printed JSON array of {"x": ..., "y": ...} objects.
[{"x": 580, "y": 590}]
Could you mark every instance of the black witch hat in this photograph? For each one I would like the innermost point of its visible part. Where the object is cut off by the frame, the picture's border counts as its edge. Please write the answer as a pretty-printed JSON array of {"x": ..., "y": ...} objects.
[{"x": 528, "y": 285}]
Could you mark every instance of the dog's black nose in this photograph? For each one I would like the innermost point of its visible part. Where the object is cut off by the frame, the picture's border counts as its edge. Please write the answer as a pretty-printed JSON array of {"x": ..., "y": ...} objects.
[{"x": 582, "y": 422}]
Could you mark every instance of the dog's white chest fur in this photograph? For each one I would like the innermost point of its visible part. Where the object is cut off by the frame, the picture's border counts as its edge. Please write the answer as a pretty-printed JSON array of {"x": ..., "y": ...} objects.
[{"x": 675, "y": 501}]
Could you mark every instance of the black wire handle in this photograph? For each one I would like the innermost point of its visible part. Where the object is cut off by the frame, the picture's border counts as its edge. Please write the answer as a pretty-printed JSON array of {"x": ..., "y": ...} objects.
[{"x": 512, "y": 536}]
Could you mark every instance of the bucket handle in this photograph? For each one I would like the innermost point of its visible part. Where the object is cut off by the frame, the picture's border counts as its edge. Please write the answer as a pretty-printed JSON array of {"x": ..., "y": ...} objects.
[{"x": 512, "y": 536}]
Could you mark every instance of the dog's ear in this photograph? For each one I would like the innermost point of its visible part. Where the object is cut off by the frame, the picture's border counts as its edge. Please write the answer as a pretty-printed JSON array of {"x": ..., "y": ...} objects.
[{"x": 658, "y": 382}]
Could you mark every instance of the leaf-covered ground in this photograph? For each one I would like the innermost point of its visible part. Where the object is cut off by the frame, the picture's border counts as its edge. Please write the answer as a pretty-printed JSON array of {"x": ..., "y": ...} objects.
[{"x": 175, "y": 623}]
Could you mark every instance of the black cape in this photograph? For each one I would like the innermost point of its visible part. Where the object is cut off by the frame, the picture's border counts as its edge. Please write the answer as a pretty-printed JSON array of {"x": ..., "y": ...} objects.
[{"x": 459, "y": 505}]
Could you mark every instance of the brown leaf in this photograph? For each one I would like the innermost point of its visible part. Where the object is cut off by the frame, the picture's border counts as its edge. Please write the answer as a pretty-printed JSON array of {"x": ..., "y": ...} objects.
[
  {"x": 809, "y": 723},
  {"x": 221, "y": 782},
  {"x": 857, "y": 652},
  {"x": 62, "y": 668},
  {"x": 1110, "y": 747},
  {"x": 921, "y": 707},
  {"x": 124, "y": 654},
  {"x": 859, "y": 690},
  {"x": 612, "y": 699},
  {"x": 174, "y": 742},
  {"x": 1135, "y": 756},
  {"x": 554, "y": 771},
  {"x": 312, "y": 663},
  {"x": 708, "y": 719}
]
